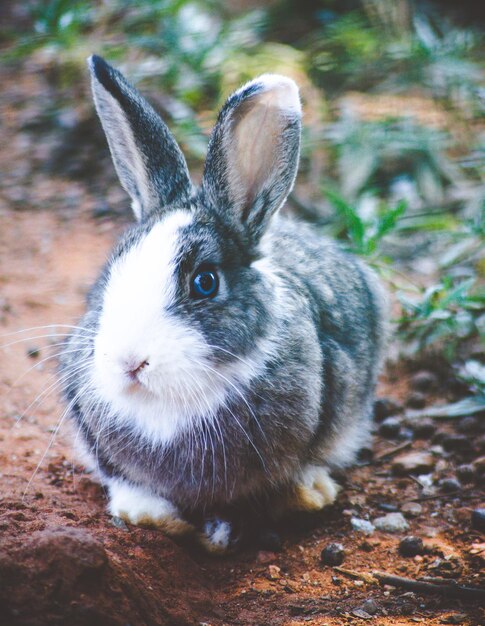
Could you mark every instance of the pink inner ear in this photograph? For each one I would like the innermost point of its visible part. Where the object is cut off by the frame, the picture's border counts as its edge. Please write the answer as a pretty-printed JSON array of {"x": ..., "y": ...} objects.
[{"x": 257, "y": 137}]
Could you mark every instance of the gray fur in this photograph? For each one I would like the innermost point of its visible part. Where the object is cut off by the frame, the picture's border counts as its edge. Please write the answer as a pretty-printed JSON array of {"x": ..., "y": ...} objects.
[{"x": 325, "y": 325}]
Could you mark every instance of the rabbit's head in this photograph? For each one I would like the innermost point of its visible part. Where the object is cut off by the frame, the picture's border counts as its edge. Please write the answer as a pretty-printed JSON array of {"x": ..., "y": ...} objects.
[{"x": 185, "y": 302}]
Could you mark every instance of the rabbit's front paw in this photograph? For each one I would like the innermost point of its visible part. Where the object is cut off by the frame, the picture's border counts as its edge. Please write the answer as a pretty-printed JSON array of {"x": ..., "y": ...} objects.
[
  {"x": 313, "y": 490},
  {"x": 136, "y": 506},
  {"x": 218, "y": 536}
]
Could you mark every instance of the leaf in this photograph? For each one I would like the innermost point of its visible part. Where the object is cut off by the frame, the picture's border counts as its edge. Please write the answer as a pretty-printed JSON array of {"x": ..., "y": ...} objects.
[
  {"x": 467, "y": 406},
  {"x": 388, "y": 221},
  {"x": 353, "y": 222}
]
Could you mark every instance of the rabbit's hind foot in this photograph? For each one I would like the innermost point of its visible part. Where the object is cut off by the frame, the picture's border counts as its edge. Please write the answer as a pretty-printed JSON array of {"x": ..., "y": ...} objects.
[{"x": 313, "y": 490}]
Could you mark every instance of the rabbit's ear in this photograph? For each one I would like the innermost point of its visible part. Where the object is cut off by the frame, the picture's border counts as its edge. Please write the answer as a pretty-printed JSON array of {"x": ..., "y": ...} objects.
[
  {"x": 253, "y": 153},
  {"x": 148, "y": 161}
]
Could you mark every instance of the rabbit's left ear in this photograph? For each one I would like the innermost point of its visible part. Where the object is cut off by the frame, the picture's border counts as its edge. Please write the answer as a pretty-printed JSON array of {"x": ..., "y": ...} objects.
[{"x": 253, "y": 154}]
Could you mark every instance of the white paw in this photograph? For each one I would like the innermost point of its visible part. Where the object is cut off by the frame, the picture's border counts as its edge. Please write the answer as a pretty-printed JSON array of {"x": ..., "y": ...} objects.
[
  {"x": 314, "y": 489},
  {"x": 215, "y": 536},
  {"x": 136, "y": 506}
]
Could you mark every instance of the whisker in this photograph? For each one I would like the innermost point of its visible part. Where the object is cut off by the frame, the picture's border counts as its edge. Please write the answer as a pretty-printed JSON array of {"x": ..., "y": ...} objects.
[
  {"x": 51, "y": 441},
  {"x": 250, "y": 364},
  {"x": 204, "y": 366},
  {"x": 47, "y": 358},
  {"x": 56, "y": 326},
  {"x": 237, "y": 390},
  {"x": 13, "y": 343},
  {"x": 57, "y": 383}
]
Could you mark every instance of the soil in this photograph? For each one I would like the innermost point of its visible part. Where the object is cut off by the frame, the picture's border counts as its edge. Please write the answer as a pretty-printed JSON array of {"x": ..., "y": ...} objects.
[{"x": 65, "y": 561}]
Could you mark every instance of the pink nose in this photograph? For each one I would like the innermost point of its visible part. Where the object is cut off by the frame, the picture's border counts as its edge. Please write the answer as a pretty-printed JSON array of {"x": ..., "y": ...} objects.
[{"x": 134, "y": 367}]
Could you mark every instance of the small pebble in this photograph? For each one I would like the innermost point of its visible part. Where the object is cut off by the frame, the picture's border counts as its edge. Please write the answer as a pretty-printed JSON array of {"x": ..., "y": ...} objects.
[
  {"x": 424, "y": 428},
  {"x": 411, "y": 546},
  {"x": 478, "y": 519},
  {"x": 274, "y": 572},
  {"x": 362, "y": 525},
  {"x": 449, "y": 485},
  {"x": 385, "y": 407},
  {"x": 391, "y": 523},
  {"x": 333, "y": 554},
  {"x": 370, "y": 606},
  {"x": 33, "y": 352},
  {"x": 466, "y": 473},
  {"x": 416, "y": 400},
  {"x": 118, "y": 523},
  {"x": 411, "y": 509},
  {"x": 459, "y": 443},
  {"x": 387, "y": 507},
  {"x": 424, "y": 381},
  {"x": 414, "y": 462},
  {"x": 390, "y": 427}
]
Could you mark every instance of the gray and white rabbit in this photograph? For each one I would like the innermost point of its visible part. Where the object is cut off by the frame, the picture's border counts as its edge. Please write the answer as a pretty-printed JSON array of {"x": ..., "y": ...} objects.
[{"x": 228, "y": 354}]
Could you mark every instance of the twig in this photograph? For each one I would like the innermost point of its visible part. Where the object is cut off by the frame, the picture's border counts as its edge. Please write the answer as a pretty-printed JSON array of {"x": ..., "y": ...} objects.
[
  {"x": 451, "y": 590},
  {"x": 446, "y": 588},
  {"x": 453, "y": 494},
  {"x": 392, "y": 451},
  {"x": 367, "y": 578}
]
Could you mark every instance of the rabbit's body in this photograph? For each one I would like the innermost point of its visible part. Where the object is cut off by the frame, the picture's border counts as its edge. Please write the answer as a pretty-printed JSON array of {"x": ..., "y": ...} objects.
[{"x": 191, "y": 402}]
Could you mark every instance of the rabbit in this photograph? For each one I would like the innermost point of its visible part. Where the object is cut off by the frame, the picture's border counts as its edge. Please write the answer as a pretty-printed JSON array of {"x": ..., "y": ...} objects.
[{"x": 229, "y": 354}]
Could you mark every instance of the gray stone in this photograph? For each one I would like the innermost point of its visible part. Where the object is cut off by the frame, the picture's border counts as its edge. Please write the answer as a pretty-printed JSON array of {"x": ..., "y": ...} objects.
[
  {"x": 362, "y": 525},
  {"x": 411, "y": 509},
  {"x": 370, "y": 606},
  {"x": 391, "y": 523}
]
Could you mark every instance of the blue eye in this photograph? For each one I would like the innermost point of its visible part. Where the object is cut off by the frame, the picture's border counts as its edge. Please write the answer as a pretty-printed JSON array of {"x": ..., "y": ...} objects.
[{"x": 205, "y": 283}]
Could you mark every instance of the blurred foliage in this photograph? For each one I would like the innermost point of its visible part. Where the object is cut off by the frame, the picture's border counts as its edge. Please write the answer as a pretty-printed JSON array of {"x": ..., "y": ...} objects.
[
  {"x": 364, "y": 230},
  {"x": 394, "y": 99},
  {"x": 446, "y": 313}
]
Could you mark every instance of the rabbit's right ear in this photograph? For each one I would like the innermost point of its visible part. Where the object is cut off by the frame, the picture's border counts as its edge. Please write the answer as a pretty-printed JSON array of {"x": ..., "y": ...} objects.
[{"x": 149, "y": 163}]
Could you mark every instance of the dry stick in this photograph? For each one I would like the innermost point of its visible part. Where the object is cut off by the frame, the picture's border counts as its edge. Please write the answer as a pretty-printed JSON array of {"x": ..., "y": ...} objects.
[
  {"x": 368, "y": 578},
  {"x": 452, "y": 590},
  {"x": 461, "y": 493},
  {"x": 392, "y": 451}
]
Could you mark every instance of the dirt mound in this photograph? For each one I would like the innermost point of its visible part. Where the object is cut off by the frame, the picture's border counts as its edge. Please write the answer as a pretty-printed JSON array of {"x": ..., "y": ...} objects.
[{"x": 65, "y": 575}]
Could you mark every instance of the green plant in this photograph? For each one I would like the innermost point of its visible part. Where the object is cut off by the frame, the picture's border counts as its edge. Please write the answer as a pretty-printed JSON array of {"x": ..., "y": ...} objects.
[
  {"x": 443, "y": 317},
  {"x": 364, "y": 233}
]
